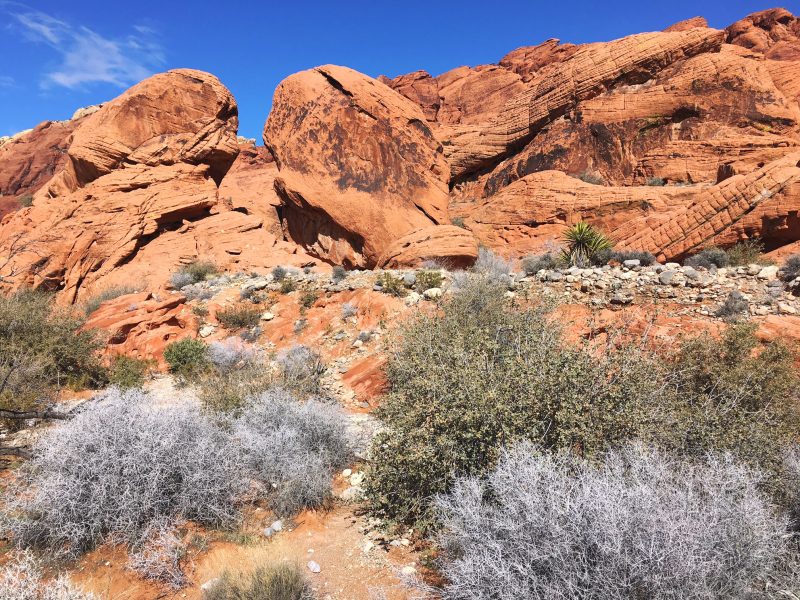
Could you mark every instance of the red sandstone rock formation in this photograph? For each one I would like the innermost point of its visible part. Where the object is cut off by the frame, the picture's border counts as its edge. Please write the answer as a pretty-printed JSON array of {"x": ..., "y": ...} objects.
[{"x": 358, "y": 166}]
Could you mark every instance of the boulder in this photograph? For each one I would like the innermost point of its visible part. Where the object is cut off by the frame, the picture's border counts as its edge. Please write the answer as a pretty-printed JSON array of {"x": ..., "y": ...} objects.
[
  {"x": 358, "y": 167},
  {"x": 449, "y": 245},
  {"x": 141, "y": 326}
]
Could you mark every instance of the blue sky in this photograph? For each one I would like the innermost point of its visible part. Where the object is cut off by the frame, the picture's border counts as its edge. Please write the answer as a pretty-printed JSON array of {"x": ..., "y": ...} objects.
[{"x": 58, "y": 56}]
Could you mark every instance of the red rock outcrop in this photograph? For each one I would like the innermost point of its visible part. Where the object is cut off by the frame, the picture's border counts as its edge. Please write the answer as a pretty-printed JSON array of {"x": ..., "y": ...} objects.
[
  {"x": 141, "y": 325},
  {"x": 358, "y": 166},
  {"x": 446, "y": 244},
  {"x": 775, "y": 33}
]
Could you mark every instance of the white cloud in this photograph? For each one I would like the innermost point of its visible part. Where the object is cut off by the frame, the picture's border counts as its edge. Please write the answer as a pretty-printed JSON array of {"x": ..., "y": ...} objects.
[
  {"x": 88, "y": 57},
  {"x": 6, "y": 81}
]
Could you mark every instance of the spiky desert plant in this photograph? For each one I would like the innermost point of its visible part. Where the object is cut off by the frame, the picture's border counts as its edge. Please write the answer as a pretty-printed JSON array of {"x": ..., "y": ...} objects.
[{"x": 583, "y": 242}]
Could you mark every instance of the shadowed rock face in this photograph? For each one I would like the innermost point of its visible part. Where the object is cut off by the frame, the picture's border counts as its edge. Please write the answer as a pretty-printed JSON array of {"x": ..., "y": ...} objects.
[{"x": 358, "y": 166}]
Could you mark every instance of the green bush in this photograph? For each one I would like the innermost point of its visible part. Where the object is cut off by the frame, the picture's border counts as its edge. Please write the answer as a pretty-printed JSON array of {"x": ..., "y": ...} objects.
[
  {"x": 42, "y": 349},
  {"x": 25, "y": 201},
  {"x": 480, "y": 375},
  {"x": 278, "y": 582},
  {"x": 93, "y": 303},
  {"x": 391, "y": 285},
  {"x": 127, "y": 372},
  {"x": 201, "y": 270},
  {"x": 656, "y": 181},
  {"x": 239, "y": 316},
  {"x": 468, "y": 380},
  {"x": 187, "y": 357},
  {"x": 288, "y": 285},
  {"x": 427, "y": 280},
  {"x": 745, "y": 253},
  {"x": 308, "y": 298}
]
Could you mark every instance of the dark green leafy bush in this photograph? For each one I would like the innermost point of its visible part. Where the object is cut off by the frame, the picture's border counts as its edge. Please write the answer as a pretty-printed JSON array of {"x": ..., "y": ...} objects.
[
  {"x": 745, "y": 253},
  {"x": 42, "y": 348},
  {"x": 391, "y": 285},
  {"x": 480, "y": 375},
  {"x": 583, "y": 241},
  {"x": 127, "y": 372},
  {"x": 187, "y": 357},
  {"x": 427, "y": 280}
]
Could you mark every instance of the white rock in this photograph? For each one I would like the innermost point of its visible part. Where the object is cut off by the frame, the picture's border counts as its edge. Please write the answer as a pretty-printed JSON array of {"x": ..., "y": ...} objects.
[
  {"x": 209, "y": 584},
  {"x": 314, "y": 567},
  {"x": 206, "y": 330},
  {"x": 267, "y": 316},
  {"x": 769, "y": 272},
  {"x": 432, "y": 293},
  {"x": 347, "y": 472},
  {"x": 412, "y": 299},
  {"x": 786, "y": 309},
  {"x": 408, "y": 570},
  {"x": 277, "y": 525}
]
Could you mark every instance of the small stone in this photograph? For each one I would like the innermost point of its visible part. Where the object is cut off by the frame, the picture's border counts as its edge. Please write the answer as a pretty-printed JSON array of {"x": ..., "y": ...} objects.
[
  {"x": 634, "y": 262},
  {"x": 409, "y": 279},
  {"x": 206, "y": 330},
  {"x": 620, "y": 299},
  {"x": 267, "y": 316},
  {"x": 314, "y": 567},
  {"x": 347, "y": 472},
  {"x": 665, "y": 278},
  {"x": 277, "y": 525},
  {"x": 408, "y": 571},
  {"x": 412, "y": 298},
  {"x": 555, "y": 276},
  {"x": 209, "y": 584},
  {"x": 268, "y": 532},
  {"x": 357, "y": 344},
  {"x": 357, "y": 478},
  {"x": 786, "y": 309},
  {"x": 432, "y": 293}
]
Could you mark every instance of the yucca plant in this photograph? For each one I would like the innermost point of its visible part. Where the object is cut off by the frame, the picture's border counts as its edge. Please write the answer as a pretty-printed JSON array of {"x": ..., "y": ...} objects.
[{"x": 583, "y": 242}]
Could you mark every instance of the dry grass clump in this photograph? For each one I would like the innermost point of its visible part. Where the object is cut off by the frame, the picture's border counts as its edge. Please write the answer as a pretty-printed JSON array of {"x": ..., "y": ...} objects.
[
  {"x": 274, "y": 582},
  {"x": 21, "y": 578}
]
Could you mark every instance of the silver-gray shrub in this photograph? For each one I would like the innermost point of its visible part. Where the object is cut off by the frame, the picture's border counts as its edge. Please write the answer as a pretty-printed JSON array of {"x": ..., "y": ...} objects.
[
  {"x": 490, "y": 264},
  {"x": 21, "y": 578},
  {"x": 292, "y": 448},
  {"x": 233, "y": 353},
  {"x": 638, "y": 525},
  {"x": 300, "y": 368},
  {"x": 157, "y": 554},
  {"x": 118, "y": 466}
]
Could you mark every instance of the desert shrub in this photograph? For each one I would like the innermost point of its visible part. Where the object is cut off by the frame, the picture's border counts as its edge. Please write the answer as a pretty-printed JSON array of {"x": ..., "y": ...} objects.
[
  {"x": 591, "y": 177},
  {"x": 734, "y": 307},
  {"x": 639, "y": 525},
  {"x": 196, "y": 292},
  {"x": 127, "y": 372},
  {"x": 195, "y": 272},
  {"x": 288, "y": 285},
  {"x": 117, "y": 467},
  {"x": 300, "y": 369},
  {"x": 606, "y": 256},
  {"x": 25, "y": 201},
  {"x": 237, "y": 372},
  {"x": 349, "y": 310},
  {"x": 391, "y": 285},
  {"x": 279, "y": 273},
  {"x": 308, "y": 298},
  {"x": 239, "y": 316},
  {"x": 93, "y": 303},
  {"x": 186, "y": 357},
  {"x": 458, "y": 222},
  {"x": 583, "y": 241},
  {"x": 292, "y": 448},
  {"x": 656, "y": 181},
  {"x": 338, "y": 274},
  {"x": 427, "y": 280},
  {"x": 728, "y": 397},
  {"x": 791, "y": 268},
  {"x": 533, "y": 264},
  {"x": 158, "y": 553},
  {"x": 480, "y": 374},
  {"x": 492, "y": 265},
  {"x": 43, "y": 349},
  {"x": 745, "y": 252},
  {"x": 276, "y": 582},
  {"x": 21, "y": 578},
  {"x": 710, "y": 257}
]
